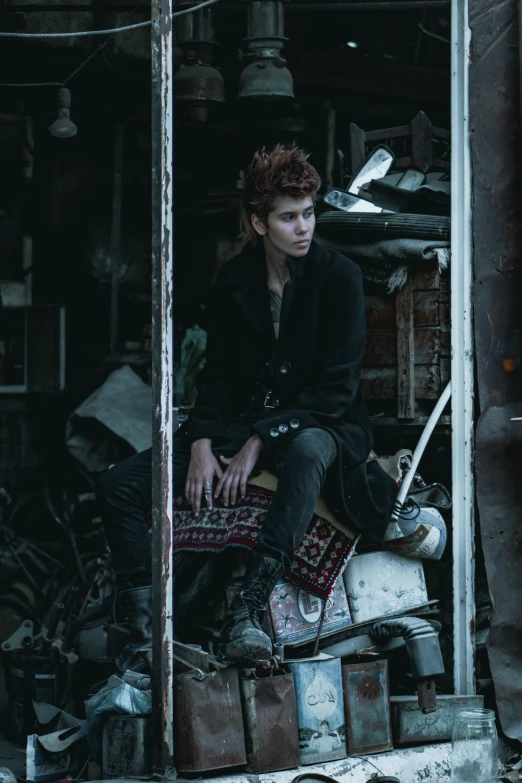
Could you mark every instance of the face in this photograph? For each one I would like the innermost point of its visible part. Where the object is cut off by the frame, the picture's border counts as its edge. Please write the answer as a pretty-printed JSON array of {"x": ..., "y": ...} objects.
[
  {"x": 289, "y": 227},
  {"x": 324, "y": 729}
]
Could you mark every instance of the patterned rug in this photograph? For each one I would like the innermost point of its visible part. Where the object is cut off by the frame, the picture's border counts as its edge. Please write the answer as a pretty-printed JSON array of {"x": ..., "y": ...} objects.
[{"x": 319, "y": 560}]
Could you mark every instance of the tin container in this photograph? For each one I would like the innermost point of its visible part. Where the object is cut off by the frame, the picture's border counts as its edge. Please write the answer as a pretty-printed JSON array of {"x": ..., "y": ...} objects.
[
  {"x": 410, "y": 725},
  {"x": 296, "y": 614},
  {"x": 31, "y": 678},
  {"x": 270, "y": 713},
  {"x": 208, "y": 722},
  {"x": 126, "y": 746},
  {"x": 367, "y": 707},
  {"x": 379, "y": 584},
  {"x": 320, "y": 709}
]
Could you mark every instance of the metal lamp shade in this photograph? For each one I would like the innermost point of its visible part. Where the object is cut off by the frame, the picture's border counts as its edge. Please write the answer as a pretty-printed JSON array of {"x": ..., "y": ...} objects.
[
  {"x": 265, "y": 79},
  {"x": 199, "y": 84}
]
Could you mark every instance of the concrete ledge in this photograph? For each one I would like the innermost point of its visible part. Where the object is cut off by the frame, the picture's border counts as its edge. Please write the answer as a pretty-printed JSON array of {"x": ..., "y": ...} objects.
[{"x": 422, "y": 764}]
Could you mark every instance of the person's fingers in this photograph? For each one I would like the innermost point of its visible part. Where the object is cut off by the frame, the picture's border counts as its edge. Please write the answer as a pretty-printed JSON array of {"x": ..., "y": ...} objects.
[
  {"x": 226, "y": 488},
  {"x": 207, "y": 493},
  {"x": 243, "y": 484},
  {"x": 225, "y": 460},
  {"x": 198, "y": 489},
  {"x": 187, "y": 489},
  {"x": 233, "y": 488},
  {"x": 217, "y": 470},
  {"x": 220, "y": 483}
]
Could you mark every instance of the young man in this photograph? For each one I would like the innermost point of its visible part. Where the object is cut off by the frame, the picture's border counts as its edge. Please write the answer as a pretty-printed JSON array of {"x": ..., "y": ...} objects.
[{"x": 280, "y": 388}]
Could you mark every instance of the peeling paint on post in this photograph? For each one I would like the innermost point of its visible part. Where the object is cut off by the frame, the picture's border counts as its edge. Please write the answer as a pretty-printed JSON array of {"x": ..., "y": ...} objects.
[
  {"x": 462, "y": 358},
  {"x": 162, "y": 377}
]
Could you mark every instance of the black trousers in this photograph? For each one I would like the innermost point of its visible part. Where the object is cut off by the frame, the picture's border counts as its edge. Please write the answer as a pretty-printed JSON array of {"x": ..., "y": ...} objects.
[{"x": 124, "y": 493}]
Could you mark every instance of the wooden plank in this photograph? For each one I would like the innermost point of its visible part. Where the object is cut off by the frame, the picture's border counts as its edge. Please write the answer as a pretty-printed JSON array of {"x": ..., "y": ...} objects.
[
  {"x": 425, "y": 278},
  {"x": 444, "y": 290},
  {"x": 425, "y": 308},
  {"x": 380, "y": 383},
  {"x": 445, "y": 370},
  {"x": 357, "y": 146},
  {"x": 388, "y": 133},
  {"x": 381, "y": 347},
  {"x": 445, "y": 344},
  {"x": 422, "y": 142},
  {"x": 418, "y": 421},
  {"x": 405, "y": 353},
  {"x": 379, "y": 311}
]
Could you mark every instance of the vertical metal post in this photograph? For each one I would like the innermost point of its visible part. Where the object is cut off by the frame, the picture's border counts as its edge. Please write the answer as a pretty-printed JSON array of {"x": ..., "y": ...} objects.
[
  {"x": 162, "y": 377},
  {"x": 462, "y": 357}
]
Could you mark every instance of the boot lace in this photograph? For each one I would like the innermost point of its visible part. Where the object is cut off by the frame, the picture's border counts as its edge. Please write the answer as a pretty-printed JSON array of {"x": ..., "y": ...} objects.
[
  {"x": 255, "y": 594},
  {"x": 408, "y": 507}
]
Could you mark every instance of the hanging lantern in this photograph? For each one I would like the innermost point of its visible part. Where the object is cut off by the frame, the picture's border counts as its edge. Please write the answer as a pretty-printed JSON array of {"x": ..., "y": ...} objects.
[
  {"x": 63, "y": 127},
  {"x": 266, "y": 76}
]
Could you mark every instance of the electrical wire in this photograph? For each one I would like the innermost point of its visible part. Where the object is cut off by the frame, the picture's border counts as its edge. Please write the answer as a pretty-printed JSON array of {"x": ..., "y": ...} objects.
[
  {"x": 432, "y": 35},
  {"x": 96, "y": 51},
  {"x": 194, "y": 8},
  {"x": 77, "y": 34},
  {"x": 111, "y": 31}
]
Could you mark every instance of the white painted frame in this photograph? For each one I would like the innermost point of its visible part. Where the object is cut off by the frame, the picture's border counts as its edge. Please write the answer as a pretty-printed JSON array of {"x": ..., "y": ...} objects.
[{"x": 462, "y": 439}]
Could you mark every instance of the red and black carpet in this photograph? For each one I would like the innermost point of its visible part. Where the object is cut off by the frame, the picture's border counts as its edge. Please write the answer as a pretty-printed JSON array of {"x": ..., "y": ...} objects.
[{"x": 320, "y": 558}]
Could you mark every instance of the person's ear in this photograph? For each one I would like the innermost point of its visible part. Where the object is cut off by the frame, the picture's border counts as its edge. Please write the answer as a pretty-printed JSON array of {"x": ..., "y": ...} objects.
[{"x": 259, "y": 226}]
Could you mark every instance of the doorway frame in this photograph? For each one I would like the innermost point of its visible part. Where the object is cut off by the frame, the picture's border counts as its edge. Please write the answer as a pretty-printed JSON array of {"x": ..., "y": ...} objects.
[{"x": 462, "y": 367}]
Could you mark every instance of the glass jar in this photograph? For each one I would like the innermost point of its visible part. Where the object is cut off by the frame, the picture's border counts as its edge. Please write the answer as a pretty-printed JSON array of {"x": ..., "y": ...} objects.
[{"x": 474, "y": 747}]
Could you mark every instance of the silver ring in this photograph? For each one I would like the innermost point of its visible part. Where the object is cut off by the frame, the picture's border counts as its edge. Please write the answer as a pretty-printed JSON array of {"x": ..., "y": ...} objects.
[
  {"x": 208, "y": 484},
  {"x": 207, "y": 491}
]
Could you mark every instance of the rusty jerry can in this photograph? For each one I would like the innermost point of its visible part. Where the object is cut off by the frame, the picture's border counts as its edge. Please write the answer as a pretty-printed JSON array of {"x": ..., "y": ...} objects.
[
  {"x": 270, "y": 712},
  {"x": 367, "y": 707},
  {"x": 208, "y": 721}
]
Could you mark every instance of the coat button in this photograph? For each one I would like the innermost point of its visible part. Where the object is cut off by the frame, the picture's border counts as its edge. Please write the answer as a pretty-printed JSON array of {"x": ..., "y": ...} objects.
[
  {"x": 294, "y": 423},
  {"x": 283, "y": 429},
  {"x": 274, "y": 432},
  {"x": 285, "y": 368}
]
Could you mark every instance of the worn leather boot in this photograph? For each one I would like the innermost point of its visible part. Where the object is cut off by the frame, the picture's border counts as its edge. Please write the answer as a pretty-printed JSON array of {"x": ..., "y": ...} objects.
[
  {"x": 242, "y": 636},
  {"x": 138, "y": 603}
]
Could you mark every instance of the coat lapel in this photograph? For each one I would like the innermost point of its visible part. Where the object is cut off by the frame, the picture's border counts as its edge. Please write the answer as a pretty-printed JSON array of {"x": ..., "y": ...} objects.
[{"x": 252, "y": 293}]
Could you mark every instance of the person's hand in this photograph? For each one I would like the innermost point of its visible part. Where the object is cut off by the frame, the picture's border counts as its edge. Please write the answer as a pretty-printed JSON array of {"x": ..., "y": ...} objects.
[
  {"x": 238, "y": 470},
  {"x": 202, "y": 469}
]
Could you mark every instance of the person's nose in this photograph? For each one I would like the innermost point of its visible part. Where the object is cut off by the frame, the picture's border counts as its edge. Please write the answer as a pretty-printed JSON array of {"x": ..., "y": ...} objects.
[{"x": 301, "y": 227}]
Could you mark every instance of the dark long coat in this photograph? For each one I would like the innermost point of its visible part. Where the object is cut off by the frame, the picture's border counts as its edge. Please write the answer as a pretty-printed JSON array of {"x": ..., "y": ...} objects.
[{"x": 312, "y": 370}]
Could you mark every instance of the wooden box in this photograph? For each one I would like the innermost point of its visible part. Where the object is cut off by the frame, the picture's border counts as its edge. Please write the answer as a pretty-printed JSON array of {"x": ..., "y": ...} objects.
[{"x": 408, "y": 344}]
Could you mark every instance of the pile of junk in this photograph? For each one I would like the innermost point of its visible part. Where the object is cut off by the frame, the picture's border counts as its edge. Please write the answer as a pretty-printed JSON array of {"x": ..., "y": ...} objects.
[
  {"x": 362, "y": 659},
  {"x": 360, "y": 653}
]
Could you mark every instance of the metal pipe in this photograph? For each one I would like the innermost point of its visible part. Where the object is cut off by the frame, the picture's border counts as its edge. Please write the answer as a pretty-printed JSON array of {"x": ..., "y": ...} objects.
[
  {"x": 162, "y": 388},
  {"x": 116, "y": 235}
]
